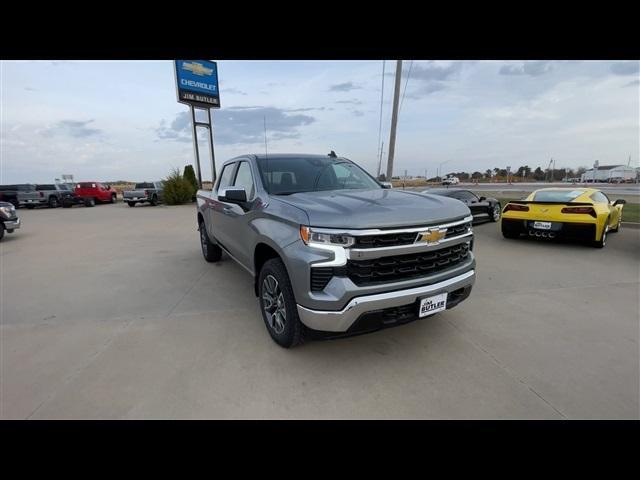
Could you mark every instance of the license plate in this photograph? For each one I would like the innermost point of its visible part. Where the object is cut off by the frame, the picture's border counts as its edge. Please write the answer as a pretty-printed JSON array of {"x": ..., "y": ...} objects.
[
  {"x": 542, "y": 225},
  {"x": 431, "y": 305}
]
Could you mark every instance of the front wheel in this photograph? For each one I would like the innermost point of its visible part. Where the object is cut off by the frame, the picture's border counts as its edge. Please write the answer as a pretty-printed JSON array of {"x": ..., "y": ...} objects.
[
  {"x": 618, "y": 225},
  {"x": 1, "y": 230},
  {"x": 210, "y": 251},
  {"x": 114, "y": 199},
  {"x": 494, "y": 213},
  {"x": 53, "y": 202},
  {"x": 278, "y": 305},
  {"x": 131, "y": 204}
]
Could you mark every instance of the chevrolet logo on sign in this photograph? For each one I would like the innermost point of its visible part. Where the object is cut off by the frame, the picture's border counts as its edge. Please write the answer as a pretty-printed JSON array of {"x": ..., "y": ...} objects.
[
  {"x": 197, "y": 68},
  {"x": 432, "y": 236}
]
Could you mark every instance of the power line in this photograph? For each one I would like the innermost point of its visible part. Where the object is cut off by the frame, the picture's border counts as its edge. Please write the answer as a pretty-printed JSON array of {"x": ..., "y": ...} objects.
[{"x": 405, "y": 84}]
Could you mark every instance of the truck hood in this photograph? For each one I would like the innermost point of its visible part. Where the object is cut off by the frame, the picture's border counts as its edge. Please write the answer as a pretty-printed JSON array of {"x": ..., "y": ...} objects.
[{"x": 379, "y": 208}]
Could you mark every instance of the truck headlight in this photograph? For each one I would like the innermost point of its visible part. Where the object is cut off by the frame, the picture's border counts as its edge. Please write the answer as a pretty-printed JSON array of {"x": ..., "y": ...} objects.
[
  {"x": 312, "y": 237},
  {"x": 8, "y": 211}
]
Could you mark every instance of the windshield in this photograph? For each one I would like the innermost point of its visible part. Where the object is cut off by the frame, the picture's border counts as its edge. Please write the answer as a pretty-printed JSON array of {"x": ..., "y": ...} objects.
[
  {"x": 284, "y": 176},
  {"x": 557, "y": 195}
]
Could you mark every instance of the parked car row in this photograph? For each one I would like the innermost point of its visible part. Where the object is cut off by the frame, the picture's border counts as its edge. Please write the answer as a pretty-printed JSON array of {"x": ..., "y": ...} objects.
[{"x": 64, "y": 195}]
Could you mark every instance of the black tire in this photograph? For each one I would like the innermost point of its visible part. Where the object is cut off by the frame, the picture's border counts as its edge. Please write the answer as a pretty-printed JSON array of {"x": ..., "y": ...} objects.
[
  {"x": 114, "y": 199},
  {"x": 494, "y": 212},
  {"x": 90, "y": 202},
  {"x": 53, "y": 202},
  {"x": 1, "y": 230},
  {"x": 603, "y": 238},
  {"x": 67, "y": 204},
  {"x": 508, "y": 234},
  {"x": 31, "y": 207},
  {"x": 210, "y": 251},
  {"x": 154, "y": 201},
  {"x": 290, "y": 331},
  {"x": 131, "y": 204}
]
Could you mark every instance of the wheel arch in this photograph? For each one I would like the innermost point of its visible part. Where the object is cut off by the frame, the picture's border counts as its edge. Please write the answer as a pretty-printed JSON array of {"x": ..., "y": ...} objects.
[{"x": 261, "y": 254}]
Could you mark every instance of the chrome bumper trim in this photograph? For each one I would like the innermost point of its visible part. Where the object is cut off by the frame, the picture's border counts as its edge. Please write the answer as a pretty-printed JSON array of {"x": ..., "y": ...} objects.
[
  {"x": 341, "y": 320},
  {"x": 12, "y": 224}
]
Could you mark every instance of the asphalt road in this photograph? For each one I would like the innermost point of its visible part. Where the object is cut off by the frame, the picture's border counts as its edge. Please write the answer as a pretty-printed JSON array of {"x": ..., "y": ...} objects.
[{"x": 111, "y": 312}]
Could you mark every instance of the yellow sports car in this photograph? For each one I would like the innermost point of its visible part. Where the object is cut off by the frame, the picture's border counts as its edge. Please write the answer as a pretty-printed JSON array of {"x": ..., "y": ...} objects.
[{"x": 572, "y": 213}]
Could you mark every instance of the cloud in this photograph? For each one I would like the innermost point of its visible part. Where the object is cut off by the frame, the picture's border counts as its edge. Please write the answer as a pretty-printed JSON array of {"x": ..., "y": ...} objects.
[
  {"x": 237, "y": 91},
  {"x": 351, "y": 102},
  {"x": 532, "y": 68},
  {"x": 435, "y": 71},
  {"x": 625, "y": 68},
  {"x": 633, "y": 83},
  {"x": 240, "y": 125},
  {"x": 72, "y": 128},
  {"x": 426, "y": 89},
  {"x": 343, "y": 87}
]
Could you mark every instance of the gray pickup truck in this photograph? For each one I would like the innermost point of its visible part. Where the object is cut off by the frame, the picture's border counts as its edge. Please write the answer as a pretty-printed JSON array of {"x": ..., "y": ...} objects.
[
  {"x": 51, "y": 194},
  {"x": 144, "y": 192},
  {"x": 331, "y": 250}
]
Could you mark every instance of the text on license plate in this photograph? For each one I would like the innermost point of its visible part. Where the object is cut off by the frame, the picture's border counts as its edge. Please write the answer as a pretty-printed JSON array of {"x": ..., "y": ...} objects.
[
  {"x": 542, "y": 225},
  {"x": 431, "y": 305}
]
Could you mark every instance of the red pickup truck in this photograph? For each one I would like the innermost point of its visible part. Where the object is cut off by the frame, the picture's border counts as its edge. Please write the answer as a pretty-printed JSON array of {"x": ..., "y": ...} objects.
[{"x": 96, "y": 190}]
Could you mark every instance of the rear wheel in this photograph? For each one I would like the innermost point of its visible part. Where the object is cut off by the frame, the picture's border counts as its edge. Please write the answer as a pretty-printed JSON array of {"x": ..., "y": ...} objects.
[
  {"x": 618, "y": 225},
  {"x": 154, "y": 201},
  {"x": 30, "y": 207},
  {"x": 603, "y": 238},
  {"x": 210, "y": 251},
  {"x": 89, "y": 202},
  {"x": 1, "y": 230},
  {"x": 508, "y": 234},
  {"x": 114, "y": 199},
  {"x": 53, "y": 202},
  {"x": 278, "y": 305},
  {"x": 131, "y": 204}
]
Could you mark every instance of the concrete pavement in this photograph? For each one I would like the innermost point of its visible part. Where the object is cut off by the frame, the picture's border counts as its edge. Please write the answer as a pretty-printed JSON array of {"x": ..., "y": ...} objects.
[{"x": 111, "y": 312}]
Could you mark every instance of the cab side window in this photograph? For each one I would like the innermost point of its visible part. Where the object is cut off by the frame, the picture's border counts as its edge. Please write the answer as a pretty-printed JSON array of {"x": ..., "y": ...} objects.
[
  {"x": 226, "y": 176},
  {"x": 244, "y": 179}
]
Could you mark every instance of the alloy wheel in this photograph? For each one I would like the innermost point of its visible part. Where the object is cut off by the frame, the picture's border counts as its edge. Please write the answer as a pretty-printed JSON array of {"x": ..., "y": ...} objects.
[{"x": 273, "y": 304}]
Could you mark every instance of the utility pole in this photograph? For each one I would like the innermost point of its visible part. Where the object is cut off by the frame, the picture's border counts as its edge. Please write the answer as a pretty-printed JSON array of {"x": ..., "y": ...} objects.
[
  {"x": 380, "y": 160},
  {"x": 394, "y": 119}
]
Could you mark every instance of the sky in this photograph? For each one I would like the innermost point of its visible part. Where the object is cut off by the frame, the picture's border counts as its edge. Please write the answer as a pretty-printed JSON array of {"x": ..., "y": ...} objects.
[{"x": 119, "y": 120}]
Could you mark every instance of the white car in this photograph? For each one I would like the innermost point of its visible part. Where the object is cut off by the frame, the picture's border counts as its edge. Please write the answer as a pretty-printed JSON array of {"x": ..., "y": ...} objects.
[{"x": 450, "y": 181}]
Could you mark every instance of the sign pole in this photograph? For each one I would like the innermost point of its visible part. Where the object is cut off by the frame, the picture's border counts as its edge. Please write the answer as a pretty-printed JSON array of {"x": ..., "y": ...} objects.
[
  {"x": 195, "y": 145},
  {"x": 213, "y": 158}
]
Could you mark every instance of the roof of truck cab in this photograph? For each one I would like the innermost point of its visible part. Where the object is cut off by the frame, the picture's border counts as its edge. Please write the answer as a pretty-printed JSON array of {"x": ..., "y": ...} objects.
[{"x": 262, "y": 156}]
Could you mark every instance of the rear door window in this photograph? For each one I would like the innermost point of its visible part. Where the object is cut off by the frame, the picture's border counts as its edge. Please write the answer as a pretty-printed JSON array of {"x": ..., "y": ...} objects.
[{"x": 143, "y": 185}]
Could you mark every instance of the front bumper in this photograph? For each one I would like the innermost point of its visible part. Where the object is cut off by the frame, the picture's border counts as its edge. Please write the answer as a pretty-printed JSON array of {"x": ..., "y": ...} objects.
[
  {"x": 342, "y": 320},
  {"x": 12, "y": 224}
]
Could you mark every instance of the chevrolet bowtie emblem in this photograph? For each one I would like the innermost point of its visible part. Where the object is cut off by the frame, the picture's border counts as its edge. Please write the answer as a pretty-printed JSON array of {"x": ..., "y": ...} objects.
[
  {"x": 197, "y": 68},
  {"x": 432, "y": 236}
]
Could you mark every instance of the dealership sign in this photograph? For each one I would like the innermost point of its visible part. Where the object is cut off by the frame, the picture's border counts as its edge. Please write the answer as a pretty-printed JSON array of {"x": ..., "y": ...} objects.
[{"x": 197, "y": 83}]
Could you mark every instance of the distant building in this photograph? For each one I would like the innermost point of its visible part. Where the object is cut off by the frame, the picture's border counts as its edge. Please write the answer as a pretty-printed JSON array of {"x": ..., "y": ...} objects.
[{"x": 608, "y": 173}]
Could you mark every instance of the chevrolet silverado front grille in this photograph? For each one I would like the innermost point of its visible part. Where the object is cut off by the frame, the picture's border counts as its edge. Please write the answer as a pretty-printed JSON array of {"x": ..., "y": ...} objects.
[
  {"x": 393, "y": 268},
  {"x": 403, "y": 267}
]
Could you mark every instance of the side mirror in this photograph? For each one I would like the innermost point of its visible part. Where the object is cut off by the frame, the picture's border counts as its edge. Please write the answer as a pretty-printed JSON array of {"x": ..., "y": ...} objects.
[
  {"x": 233, "y": 195},
  {"x": 386, "y": 184},
  {"x": 620, "y": 201},
  {"x": 482, "y": 199}
]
